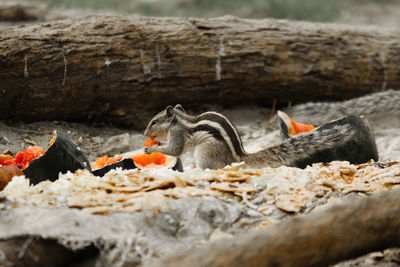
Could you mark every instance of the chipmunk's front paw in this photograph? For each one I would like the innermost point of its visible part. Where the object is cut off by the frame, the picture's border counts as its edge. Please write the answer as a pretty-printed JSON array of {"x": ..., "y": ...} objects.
[{"x": 149, "y": 150}]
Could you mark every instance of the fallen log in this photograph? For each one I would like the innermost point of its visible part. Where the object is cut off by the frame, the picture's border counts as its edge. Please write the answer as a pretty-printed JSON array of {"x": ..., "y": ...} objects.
[
  {"x": 120, "y": 67},
  {"x": 338, "y": 233}
]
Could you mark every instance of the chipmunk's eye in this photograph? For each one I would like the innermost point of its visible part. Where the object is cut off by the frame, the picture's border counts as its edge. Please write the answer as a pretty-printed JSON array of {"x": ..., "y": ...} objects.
[{"x": 154, "y": 122}]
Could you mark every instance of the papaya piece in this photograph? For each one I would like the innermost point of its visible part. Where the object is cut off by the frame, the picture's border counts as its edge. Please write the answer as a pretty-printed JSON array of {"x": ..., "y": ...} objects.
[
  {"x": 4, "y": 158},
  {"x": 143, "y": 159},
  {"x": 288, "y": 127},
  {"x": 151, "y": 142},
  {"x": 300, "y": 127},
  {"x": 62, "y": 156},
  {"x": 158, "y": 158},
  {"x": 24, "y": 158},
  {"x": 103, "y": 161},
  {"x": 12, "y": 161}
]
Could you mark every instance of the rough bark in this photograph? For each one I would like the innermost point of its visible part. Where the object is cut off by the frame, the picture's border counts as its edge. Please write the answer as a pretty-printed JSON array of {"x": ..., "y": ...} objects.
[
  {"x": 319, "y": 239},
  {"x": 117, "y": 68}
]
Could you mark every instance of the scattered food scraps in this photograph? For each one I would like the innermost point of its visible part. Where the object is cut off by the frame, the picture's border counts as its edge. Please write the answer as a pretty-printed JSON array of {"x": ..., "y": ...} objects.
[{"x": 287, "y": 189}]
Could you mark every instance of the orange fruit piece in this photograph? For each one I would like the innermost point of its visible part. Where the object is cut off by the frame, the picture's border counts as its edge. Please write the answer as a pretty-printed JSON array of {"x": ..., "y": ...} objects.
[
  {"x": 10, "y": 162},
  {"x": 146, "y": 159},
  {"x": 143, "y": 159},
  {"x": 4, "y": 158},
  {"x": 103, "y": 161},
  {"x": 22, "y": 159},
  {"x": 300, "y": 127},
  {"x": 151, "y": 142},
  {"x": 158, "y": 158}
]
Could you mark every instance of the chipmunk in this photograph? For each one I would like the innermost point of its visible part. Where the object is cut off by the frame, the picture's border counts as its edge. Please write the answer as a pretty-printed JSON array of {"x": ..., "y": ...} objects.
[{"x": 217, "y": 142}]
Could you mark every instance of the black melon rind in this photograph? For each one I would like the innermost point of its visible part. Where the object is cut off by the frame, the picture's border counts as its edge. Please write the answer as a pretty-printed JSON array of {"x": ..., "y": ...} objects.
[
  {"x": 62, "y": 156},
  {"x": 125, "y": 164},
  {"x": 361, "y": 147}
]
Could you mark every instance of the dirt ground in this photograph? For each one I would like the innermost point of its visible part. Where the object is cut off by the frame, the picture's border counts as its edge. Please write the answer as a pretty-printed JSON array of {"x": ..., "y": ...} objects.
[{"x": 90, "y": 139}]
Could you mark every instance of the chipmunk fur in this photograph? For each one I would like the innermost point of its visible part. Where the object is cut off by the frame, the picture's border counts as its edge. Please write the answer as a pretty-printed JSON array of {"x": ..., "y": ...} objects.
[{"x": 217, "y": 142}]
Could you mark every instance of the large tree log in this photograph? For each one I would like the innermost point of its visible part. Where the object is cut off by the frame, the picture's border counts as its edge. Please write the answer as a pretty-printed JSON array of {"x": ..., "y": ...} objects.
[
  {"x": 114, "y": 67},
  {"x": 341, "y": 232}
]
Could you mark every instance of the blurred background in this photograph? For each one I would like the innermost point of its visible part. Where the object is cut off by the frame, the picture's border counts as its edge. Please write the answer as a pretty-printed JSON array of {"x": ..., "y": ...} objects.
[{"x": 361, "y": 11}]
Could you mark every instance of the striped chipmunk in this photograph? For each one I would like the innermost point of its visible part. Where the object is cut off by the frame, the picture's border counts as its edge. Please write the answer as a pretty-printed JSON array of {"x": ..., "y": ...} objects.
[{"x": 217, "y": 142}]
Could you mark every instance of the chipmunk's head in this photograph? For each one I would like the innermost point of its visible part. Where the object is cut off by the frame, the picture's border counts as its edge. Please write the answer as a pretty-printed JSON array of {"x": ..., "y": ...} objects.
[{"x": 160, "y": 124}]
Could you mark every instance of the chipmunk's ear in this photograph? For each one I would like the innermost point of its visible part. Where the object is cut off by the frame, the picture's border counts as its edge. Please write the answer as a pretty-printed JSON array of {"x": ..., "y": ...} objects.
[
  {"x": 179, "y": 107},
  {"x": 169, "y": 111}
]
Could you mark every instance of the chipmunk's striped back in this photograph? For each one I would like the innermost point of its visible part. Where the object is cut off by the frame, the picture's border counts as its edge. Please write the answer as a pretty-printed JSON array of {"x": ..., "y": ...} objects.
[{"x": 216, "y": 125}]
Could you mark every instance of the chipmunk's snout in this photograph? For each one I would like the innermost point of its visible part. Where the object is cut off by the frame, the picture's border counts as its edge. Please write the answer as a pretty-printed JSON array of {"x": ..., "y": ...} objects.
[
  {"x": 147, "y": 133},
  {"x": 153, "y": 132}
]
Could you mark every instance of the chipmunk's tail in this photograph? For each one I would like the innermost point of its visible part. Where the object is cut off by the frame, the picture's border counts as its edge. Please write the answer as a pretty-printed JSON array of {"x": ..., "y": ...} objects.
[{"x": 348, "y": 138}]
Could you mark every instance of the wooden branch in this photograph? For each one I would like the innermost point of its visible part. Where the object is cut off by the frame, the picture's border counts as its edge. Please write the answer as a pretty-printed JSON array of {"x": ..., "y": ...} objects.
[
  {"x": 118, "y": 67},
  {"x": 338, "y": 233}
]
